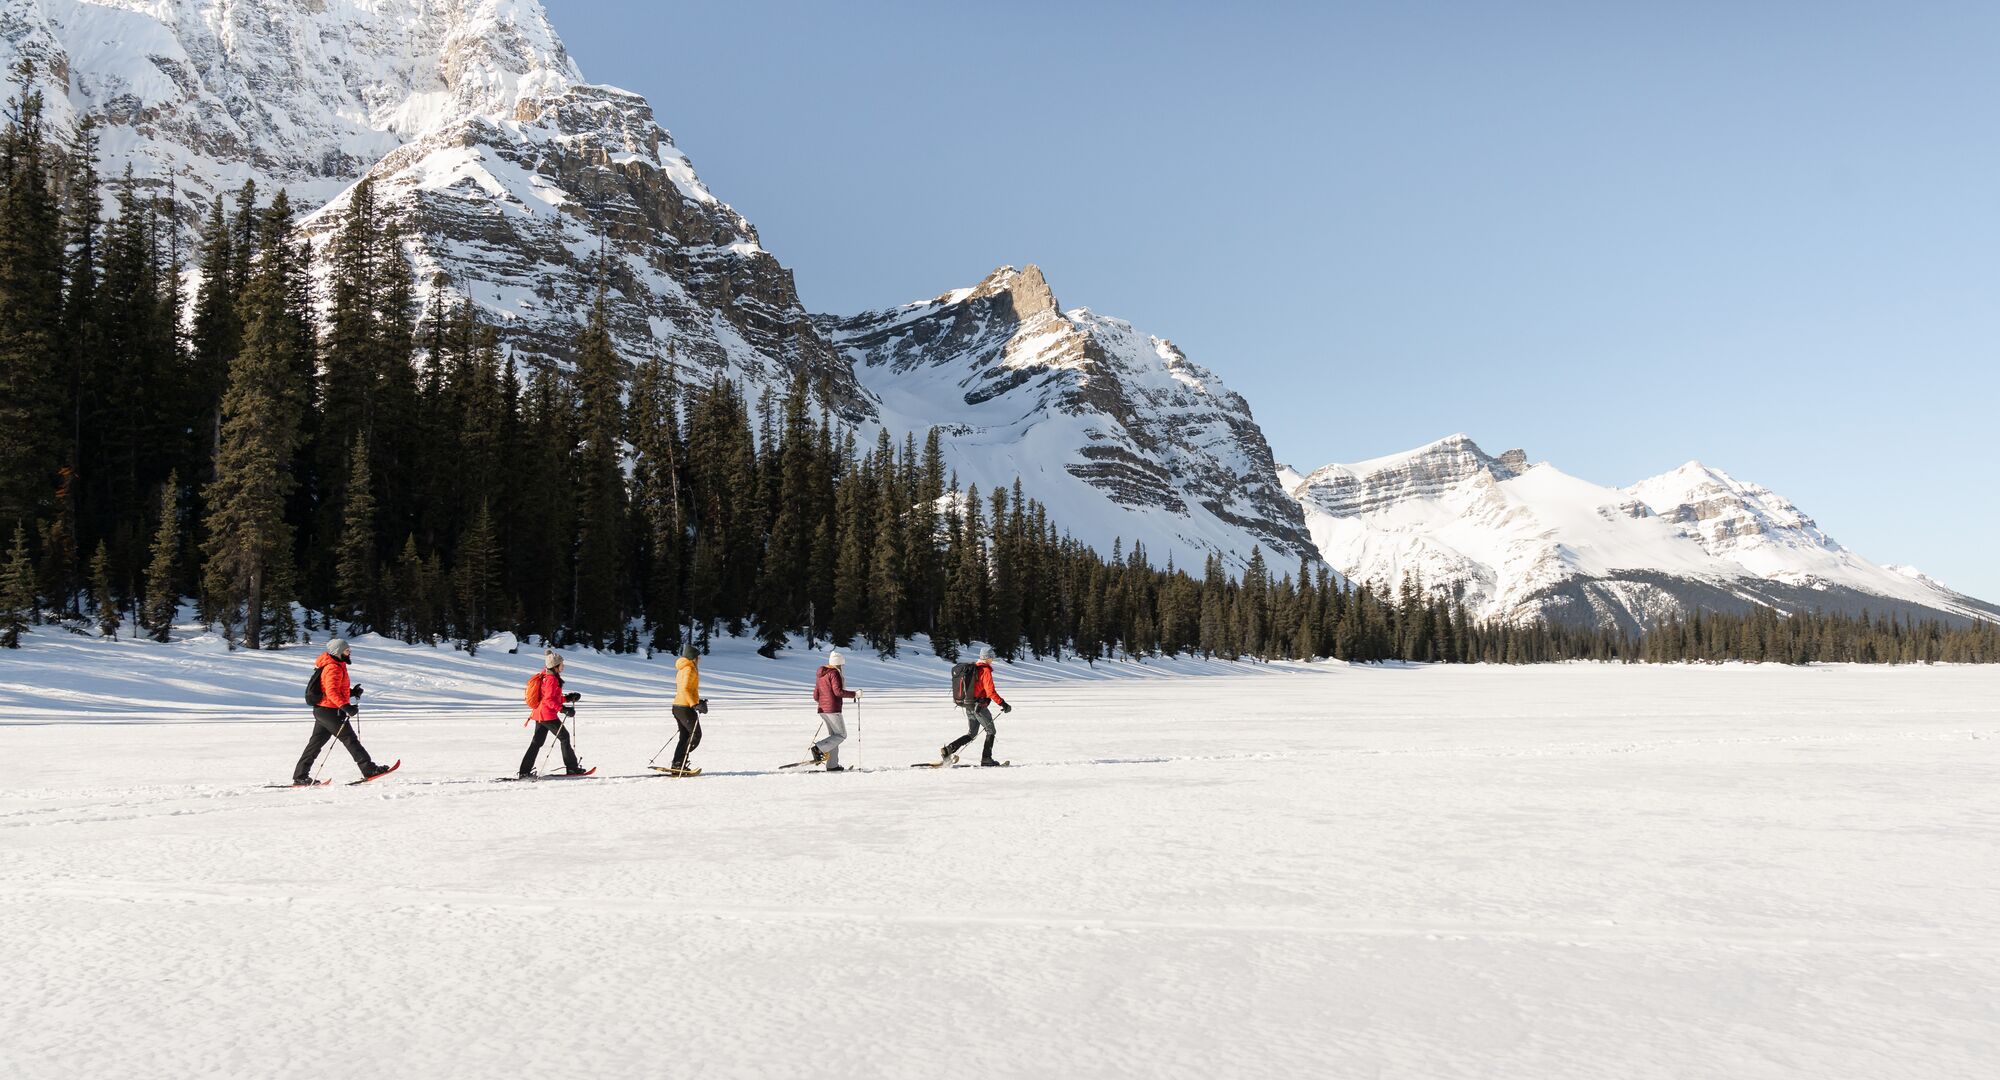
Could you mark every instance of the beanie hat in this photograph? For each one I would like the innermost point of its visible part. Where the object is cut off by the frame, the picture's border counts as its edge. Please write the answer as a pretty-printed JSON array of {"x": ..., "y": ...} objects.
[
  {"x": 835, "y": 659},
  {"x": 688, "y": 651},
  {"x": 336, "y": 647},
  {"x": 551, "y": 661},
  {"x": 986, "y": 652}
]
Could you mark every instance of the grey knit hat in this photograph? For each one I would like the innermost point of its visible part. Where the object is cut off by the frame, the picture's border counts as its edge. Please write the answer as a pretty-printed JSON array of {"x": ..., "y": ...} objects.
[
  {"x": 337, "y": 647},
  {"x": 551, "y": 661},
  {"x": 986, "y": 652}
]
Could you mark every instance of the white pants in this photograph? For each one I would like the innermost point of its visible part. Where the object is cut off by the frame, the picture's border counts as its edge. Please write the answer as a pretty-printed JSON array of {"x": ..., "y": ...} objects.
[{"x": 836, "y": 733}]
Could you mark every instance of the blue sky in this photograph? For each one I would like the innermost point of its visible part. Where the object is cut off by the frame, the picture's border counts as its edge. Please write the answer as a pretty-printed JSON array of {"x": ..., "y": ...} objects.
[{"x": 1762, "y": 235}]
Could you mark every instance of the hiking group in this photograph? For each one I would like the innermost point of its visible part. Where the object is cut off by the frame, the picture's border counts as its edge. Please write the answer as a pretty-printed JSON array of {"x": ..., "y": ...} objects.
[{"x": 336, "y": 702}]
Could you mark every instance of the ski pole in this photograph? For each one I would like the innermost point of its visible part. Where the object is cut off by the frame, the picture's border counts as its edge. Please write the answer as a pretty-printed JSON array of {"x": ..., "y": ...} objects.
[{"x": 857, "y": 734}]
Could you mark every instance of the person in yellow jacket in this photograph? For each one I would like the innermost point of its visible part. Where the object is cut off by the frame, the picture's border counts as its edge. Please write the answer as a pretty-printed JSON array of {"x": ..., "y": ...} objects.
[{"x": 688, "y": 707}]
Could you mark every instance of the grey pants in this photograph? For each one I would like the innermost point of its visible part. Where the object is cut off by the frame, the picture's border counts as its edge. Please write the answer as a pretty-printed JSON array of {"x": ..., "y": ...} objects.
[
  {"x": 836, "y": 733},
  {"x": 977, "y": 718}
]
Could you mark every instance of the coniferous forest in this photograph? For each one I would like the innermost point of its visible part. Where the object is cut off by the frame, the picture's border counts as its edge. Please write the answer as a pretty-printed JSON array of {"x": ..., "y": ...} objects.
[{"x": 302, "y": 446}]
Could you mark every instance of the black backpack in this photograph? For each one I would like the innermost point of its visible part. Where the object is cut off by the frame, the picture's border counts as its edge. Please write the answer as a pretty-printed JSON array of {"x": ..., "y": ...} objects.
[
  {"x": 315, "y": 693},
  {"x": 963, "y": 678}
]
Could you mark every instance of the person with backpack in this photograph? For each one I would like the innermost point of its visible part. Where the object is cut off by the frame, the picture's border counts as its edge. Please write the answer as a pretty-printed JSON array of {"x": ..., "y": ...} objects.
[
  {"x": 829, "y": 690},
  {"x": 335, "y": 702},
  {"x": 548, "y": 705},
  {"x": 688, "y": 707},
  {"x": 972, "y": 689}
]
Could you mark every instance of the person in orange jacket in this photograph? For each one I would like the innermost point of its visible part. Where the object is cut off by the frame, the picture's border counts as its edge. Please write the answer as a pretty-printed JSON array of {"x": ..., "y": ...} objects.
[
  {"x": 688, "y": 704},
  {"x": 979, "y": 712},
  {"x": 550, "y": 708},
  {"x": 339, "y": 701}
]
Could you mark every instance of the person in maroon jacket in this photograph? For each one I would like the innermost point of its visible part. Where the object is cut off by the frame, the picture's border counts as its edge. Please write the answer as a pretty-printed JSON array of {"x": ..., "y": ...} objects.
[
  {"x": 829, "y": 690},
  {"x": 979, "y": 713},
  {"x": 332, "y": 715}
]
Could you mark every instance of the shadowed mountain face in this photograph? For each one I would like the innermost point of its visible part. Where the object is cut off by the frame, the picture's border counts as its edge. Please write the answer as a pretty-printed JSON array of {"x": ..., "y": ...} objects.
[{"x": 1530, "y": 542}]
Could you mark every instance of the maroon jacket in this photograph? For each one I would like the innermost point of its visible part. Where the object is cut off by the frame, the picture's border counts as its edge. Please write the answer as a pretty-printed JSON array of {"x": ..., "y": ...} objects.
[{"x": 830, "y": 690}]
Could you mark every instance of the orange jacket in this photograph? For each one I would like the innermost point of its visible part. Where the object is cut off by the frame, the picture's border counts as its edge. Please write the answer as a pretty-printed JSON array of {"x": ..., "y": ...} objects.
[
  {"x": 333, "y": 682},
  {"x": 549, "y": 706},
  {"x": 982, "y": 684},
  {"x": 687, "y": 682}
]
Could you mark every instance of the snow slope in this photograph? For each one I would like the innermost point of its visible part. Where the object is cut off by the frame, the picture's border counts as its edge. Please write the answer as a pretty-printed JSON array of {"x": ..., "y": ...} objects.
[
  {"x": 1117, "y": 432},
  {"x": 1558, "y": 872},
  {"x": 1529, "y": 541}
]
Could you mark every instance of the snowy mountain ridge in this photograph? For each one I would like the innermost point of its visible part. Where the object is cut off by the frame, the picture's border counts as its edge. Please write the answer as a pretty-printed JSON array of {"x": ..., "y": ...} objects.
[
  {"x": 1529, "y": 541},
  {"x": 519, "y": 184}
]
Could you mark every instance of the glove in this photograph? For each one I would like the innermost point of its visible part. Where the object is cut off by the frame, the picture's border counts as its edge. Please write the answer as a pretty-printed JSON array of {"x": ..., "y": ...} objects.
[
  {"x": 354, "y": 691},
  {"x": 857, "y": 695},
  {"x": 350, "y": 709},
  {"x": 701, "y": 707},
  {"x": 1006, "y": 708},
  {"x": 572, "y": 696},
  {"x": 569, "y": 711}
]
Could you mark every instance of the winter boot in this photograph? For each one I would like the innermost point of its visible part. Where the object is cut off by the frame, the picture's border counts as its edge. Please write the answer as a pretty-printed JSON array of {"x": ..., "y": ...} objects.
[
  {"x": 818, "y": 755},
  {"x": 578, "y": 771},
  {"x": 527, "y": 774},
  {"x": 371, "y": 769},
  {"x": 836, "y": 768}
]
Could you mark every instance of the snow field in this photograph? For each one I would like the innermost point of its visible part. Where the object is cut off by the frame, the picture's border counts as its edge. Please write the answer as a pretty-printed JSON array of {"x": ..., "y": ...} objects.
[{"x": 1574, "y": 871}]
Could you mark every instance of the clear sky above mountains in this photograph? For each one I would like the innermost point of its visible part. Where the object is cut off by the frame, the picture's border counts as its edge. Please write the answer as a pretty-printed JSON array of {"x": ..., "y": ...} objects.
[{"x": 1767, "y": 236}]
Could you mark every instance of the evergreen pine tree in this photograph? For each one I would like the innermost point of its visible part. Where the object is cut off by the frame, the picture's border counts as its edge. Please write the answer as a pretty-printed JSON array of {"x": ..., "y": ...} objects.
[
  {"x": 17, "y": 591},
  {"x": 100, "y": 590},
  {"x": 163, "y": 594},
  {"x": 31, "y": 382},
  {"x": 249, "y": 541},
  {"x": 599, "y": 618},
  {"x": 355, "y": 572}
]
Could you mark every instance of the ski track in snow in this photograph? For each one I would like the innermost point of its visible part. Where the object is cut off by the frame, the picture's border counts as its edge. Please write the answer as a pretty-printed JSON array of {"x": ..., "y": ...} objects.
[{"x": 1576, "y": 871}]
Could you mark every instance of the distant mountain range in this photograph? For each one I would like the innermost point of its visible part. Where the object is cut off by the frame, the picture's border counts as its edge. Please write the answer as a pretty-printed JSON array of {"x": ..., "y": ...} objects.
[
  {"x": 1528, "y": 541},
  {"x": 518, "y": 179}
]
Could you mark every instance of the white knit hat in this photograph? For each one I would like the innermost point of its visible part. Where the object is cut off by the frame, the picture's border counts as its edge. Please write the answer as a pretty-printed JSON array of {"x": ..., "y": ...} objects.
[
  {"x": 835, "y": 659},
  {"x": 336, "y": 647},
  {"x": 551, "y": 661}
]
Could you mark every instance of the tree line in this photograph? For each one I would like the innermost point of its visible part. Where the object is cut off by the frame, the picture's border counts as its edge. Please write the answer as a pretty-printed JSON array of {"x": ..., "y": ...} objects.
[{"x": 300, "y": 448}]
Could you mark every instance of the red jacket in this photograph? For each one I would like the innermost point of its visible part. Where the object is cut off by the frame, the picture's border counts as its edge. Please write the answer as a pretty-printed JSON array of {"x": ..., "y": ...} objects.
[
  {"x": 831, "y": 688},
  {"x": 333, "y": 682},
  {"x": 551, "y": 702},
  {"x": 982, "y": 684}
]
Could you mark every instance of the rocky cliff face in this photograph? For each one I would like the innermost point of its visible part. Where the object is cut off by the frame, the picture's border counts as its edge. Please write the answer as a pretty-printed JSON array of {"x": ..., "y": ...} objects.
[
  {"x": 479, "y": 129},
  {"x": 1119, "y": 432},
  {"x": 1529, "y": 542}
]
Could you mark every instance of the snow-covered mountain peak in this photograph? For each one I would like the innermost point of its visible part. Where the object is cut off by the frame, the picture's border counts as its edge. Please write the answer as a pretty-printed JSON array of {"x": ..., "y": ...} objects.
[
  {"x": 1116, "y": 430},
  {"x": 1423, "y": 472},
  {"x": 1533, "y": 542}
]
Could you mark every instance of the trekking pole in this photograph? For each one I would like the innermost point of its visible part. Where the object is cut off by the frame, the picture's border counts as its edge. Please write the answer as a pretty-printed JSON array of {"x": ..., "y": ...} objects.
[{"x": 857, "y": 734}]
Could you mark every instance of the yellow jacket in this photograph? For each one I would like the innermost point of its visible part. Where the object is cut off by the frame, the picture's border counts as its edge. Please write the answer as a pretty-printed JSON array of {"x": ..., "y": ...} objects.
[{"x": 687, "y": 683}]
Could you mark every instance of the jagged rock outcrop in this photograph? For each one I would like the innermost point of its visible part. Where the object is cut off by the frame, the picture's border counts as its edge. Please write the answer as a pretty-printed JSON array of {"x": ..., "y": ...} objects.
[{"x": 1118, "y": 432}]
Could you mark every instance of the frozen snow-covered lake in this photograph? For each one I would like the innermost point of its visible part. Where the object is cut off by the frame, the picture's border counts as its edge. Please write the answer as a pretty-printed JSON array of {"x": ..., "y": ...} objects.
[{"x": 1545, "y": 872}]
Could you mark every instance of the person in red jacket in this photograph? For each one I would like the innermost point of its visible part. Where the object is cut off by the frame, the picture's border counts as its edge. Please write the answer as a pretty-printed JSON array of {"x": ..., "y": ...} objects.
[
  {"x": 333, "y": 716},
  {"x": 979, "y": 712},
  {"x": 829, "y": 690},
  {"x": 550, "y": 707}
]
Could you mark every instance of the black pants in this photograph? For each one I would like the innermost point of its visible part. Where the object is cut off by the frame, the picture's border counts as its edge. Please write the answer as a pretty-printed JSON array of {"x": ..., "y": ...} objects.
[
  {"x": 326, "y": 722},
  {"x": 544, "y": 729},
  {"x": 690, "y": 722},
  {"x": 977, "y": 718}
]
